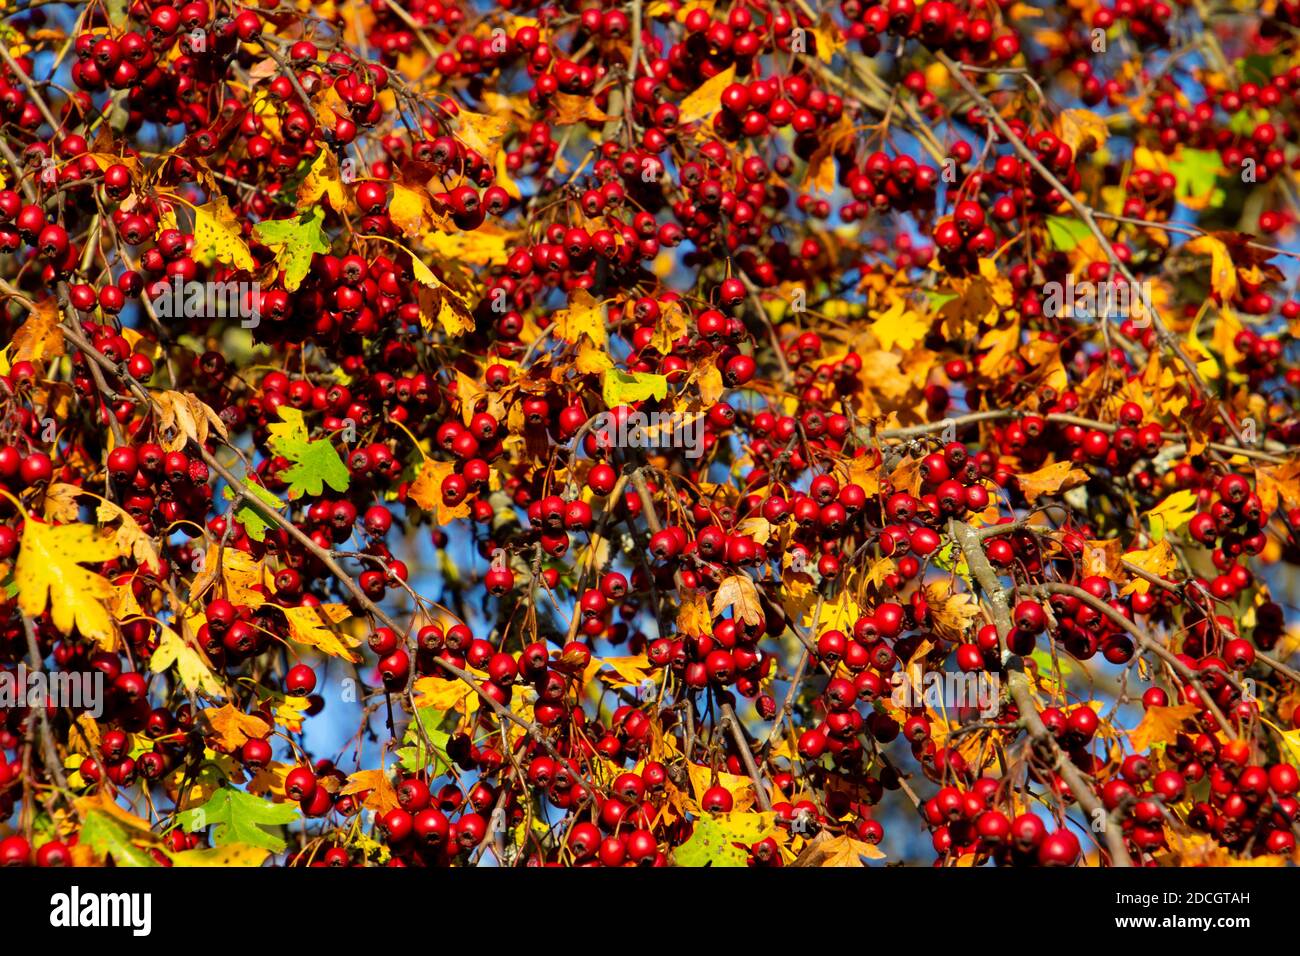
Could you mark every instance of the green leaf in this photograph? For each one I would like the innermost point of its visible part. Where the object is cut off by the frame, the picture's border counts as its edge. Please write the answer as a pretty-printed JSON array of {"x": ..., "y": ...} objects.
[
  {"x": 624, "y": 388},
  {"x": 314, "y": 463},
  {"x": 417, "y": 755},
  {"x": 1066, "y": 232},
  {"x": 253, "y": 510},
  {"x": 239, "y": 817},
  {"x": 1197, "y": 170},
  {"x": 294, "y": 242},
  {"x": 1244, "y": 121},
  {"x": 712, "y": 841},
  {"x": 102, "y": 833}
]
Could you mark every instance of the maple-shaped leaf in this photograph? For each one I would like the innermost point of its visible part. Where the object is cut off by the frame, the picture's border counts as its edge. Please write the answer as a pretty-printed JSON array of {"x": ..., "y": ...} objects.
[
  {"x": 49, "y": 573},
  {"x": 1158, "y": 560},
  {"x": 825, "y": 850},
  {"x": 40, "y": 337},
  {"x": 380, "y": 795},
  {"x": 217, "y": 236},
  {"x": 194, "y": 672},
  {"x": 295, "y": 241},
  {"x": 310, "y": 626},
  {"x": 714, "y": 839},
  {"x": 1160, "y": 725},
  {"x": 693, "y": 614},
  {"x": 425, "y": 743},
  {"x": 254, "y": 507},
  {"x": 951, "y": 612},
  {"x": 628, "y": 671},
  {"x": 737, "y": 593},
  {"x": 1081, "y": 128},
  {"x": 313, "y": 464},
  {"x": 899, "y": 325},
  {"x": 1274, "y": 483},
  {"x": 584, "y": 316},
  {"x": 572, "y": 108},
  {"x": 233, "y": 727},
  {"x": 426, "y": 491},
  {"x": 1050, "y": 479},
  {"x": 410, "y": 210},
  {"x": 129, "y": 537},
  {"x": 239, "y": 817}
]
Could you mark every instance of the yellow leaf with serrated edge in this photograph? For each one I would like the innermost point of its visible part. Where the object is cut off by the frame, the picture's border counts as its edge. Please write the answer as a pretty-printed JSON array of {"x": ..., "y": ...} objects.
[
  {"x": 1223, "y": 273},
  {"x": 951, "y": 613},
  {"x": 409, "y": 210},
  {"x": 1050, "y": 479},
  {"x": 217, "y": 235},
  {"x": 482, "y": 133},
  {"x": 230, "y": 855},
  {"x": 592, "y": 359},
  {"x": 899, "y": 325},
  {"x": 380, "y": 795},
  {"x": 426, "y": 491},
  {"x": 693, "y": 615},
  {"x": 837, "y": 851},
  {"x": 234, "y": 727},
  {"x": 49, "y": 573},
  {"x": 1158, "y": 560},
  {"x": 707, "y": 99},
  {"x": 584, "y": 316},
  {"x": 440, "y": 694},
  {"x": 670, "y": 327},
  {"x": 1160, "y": 725},
  {"x": 323, "y": 179},
  {"x": 310, "y": 625},
  {"x": 40, "y": 336},
  {"x": 196, "y": 676}
]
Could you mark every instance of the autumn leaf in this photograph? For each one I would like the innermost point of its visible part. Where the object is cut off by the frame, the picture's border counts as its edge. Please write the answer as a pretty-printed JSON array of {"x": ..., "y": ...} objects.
[
  {"x": 234, "y": 728},
  {"x": 49, "y": 574},
  {"x": 1172, "y": 514},
  {"x": 129, "y": 537},
  {"x": 584, "y": 316},
  {"x": 196, "y": 676},
  {"x": 707, "y": 99},
  {"x": 724, "y": 840},
  {"x": 312, "y": 464},
  {"x": 1078, "y": 127},
  {"x": 310, "y": 626},
  {"x": 409, "y": 209},
  {"x": 1160, "y": 725},
  {"x": 218, "y": 237},
  {"x": 825, "y": 850},
  {"x": 624, "y": 388},
  {"x": 899, "y": 325},
  {"x": 323, "y": 179},
  {"x": 1159, "y": 560},
  {"x": 1050, "y": 479},
  {"x": 572, "y": 108},
  {"x": 426, "y": 491},
  {"x": 693, "y": 614},
  {"x": 39, "y": 337},
  {"x": 1223, "y": 273},
  {"x": 952, "y": 613},
  {"x": 380, "y": 795},
  {"x": 738, "y": 594}
]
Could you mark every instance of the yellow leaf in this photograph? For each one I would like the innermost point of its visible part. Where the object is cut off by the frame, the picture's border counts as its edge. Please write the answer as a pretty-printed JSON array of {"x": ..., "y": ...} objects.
[
  {"x": 1158, "y": 560},
  {"x": 952, "y": 613},
  {"x": 710, "y": 383},
  {"x": 453, "y": 315},
  {"x": 380, "y": 795},
  {"x": 61, "y": 503},
  {"x": 1276, "y": 483},
  {"x": 309, "y": 625},
  {"x": 409, "y": 210},
  {"x": 693, "y": 616},
  {"x": 1160, "y": 725},
  {"x": 129, "y": 537},
  {"x": 482, "y": 133},
  {"x": 195, "y": 674},
  {"x": 484, "y": 246},
  {"x": 426, "y": 491},
  {"x": 1172, "y": 513},
  {"x": 1223, "y": 273},
  {"x": 1076, "y": 127},
  {"x": 49, "y": 572},
  {"x": 234, "y": 727},
  {"x": 217, "y": 235},
  {"x": 1050, "y": 479},
  {"x": 630, "y": 671},
  {"x": 40, "y": 336},
  {"x": 899, "y": 325},
  {"x": 670, "y": 327},
  {"x": 592, "y": 360},
  {"x": 740, "y": 788},
  {"x": 443, "y": 695},
  {"x": 584, "y": 316},
  {"x": 323, "y": 179},
  {"x": 838, "y": 851},
  {"x": 738, "y": 594},
  {"x": 706, "y": 100},
  {"x": 573, "y": 108},
  {"x": 230, "y": 855}
]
